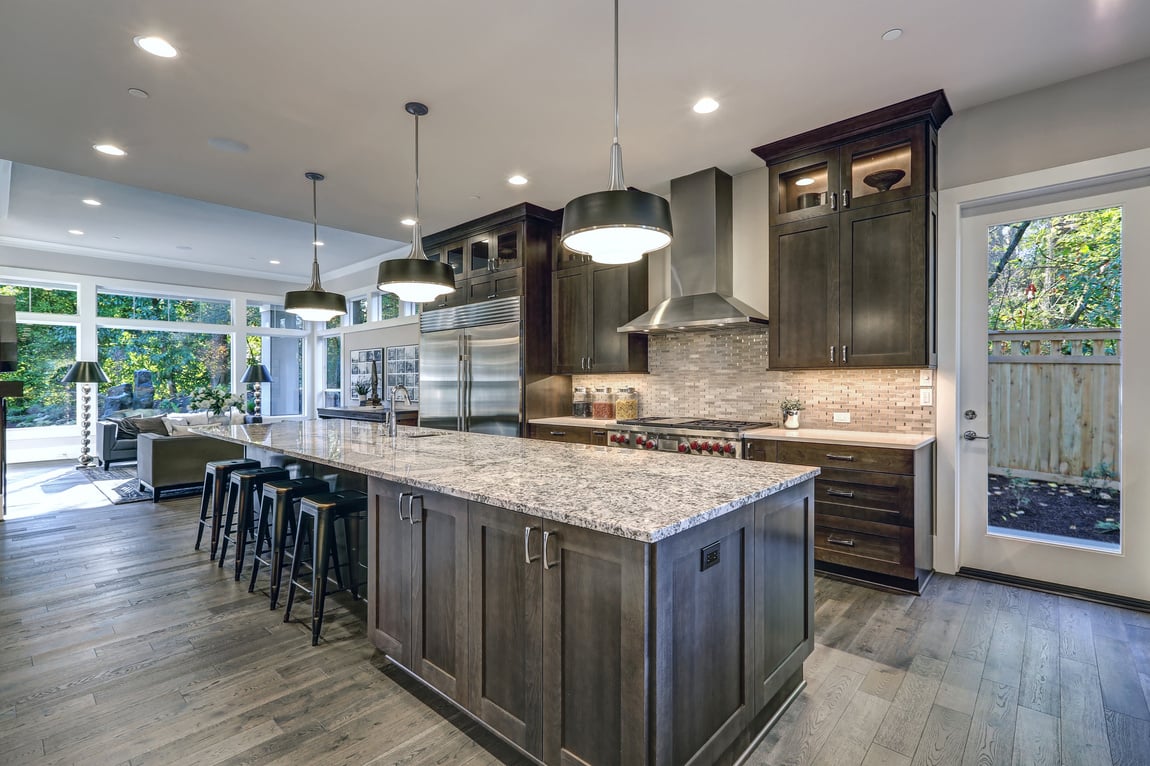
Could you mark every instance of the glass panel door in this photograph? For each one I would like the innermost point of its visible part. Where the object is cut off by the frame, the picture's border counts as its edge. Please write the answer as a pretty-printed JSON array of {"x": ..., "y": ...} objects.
[
  {"x": 508, "y": 247},
  {"x": 482, "y": 254},
  {"x": 884, "y": 168},
  {"x": 805, "y": 187}
]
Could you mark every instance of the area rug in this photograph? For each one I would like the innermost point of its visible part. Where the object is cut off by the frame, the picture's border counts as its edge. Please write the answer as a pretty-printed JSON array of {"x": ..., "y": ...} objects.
[{"x": 120, "y": 486}]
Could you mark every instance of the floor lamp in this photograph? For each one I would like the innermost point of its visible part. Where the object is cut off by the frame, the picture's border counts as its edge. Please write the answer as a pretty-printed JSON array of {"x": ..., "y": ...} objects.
[
  {"x": 85, "y": 373},
  {"x": 256, "y": 374}
]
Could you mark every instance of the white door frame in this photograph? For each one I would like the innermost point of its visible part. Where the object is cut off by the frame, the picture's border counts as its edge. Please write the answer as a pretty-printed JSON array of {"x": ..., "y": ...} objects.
[{"x": 953, "y": 205}]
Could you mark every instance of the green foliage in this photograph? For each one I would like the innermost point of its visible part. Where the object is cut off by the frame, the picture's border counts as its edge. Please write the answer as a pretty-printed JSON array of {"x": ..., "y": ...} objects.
[
  {"x": 162, "y": 308},
  {"x": 1099, "y": 477},
  {"x": 388, "y": 306},
  {"x": 790, "y": 406},
  {"x": 1057, "y": 273},
  {"x": 1018, "y": 490},
  {"x": 178, "y": 361},
  {"x": 45, "y": 354},
  {"x": 1107, "y": 526},
  {"x": 40, "y": 300},
  {"x": 331, "y": 362}
]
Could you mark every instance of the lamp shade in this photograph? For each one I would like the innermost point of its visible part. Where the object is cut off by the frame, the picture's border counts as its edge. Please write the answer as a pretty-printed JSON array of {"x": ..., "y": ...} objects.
[
  {"x": 416, "y": 280},
  {"x": 618, "y": 225},
  {"x": 85, "y": 372},
  {"x": 315, "y": 305},
  {"x": 257, "y": 373}
]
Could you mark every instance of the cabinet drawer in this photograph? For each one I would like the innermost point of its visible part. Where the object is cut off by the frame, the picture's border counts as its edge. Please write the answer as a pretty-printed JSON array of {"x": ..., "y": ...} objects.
[
  {"x": 763, "y": 450},
  {"x": 883, "y": 459},
  {"x": 495, "y": 284},
  {"x": 568, "y": 434},
  {"x": 882, "y": 497},
  {"x": 882, "y": 548}
]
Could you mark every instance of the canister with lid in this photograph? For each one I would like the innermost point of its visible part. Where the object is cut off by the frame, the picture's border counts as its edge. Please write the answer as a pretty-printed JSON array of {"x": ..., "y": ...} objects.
[
  {"x": 626, "y": 403},
  {"x": 603, "y": 404},
  {"x": 581, "y": 402}
]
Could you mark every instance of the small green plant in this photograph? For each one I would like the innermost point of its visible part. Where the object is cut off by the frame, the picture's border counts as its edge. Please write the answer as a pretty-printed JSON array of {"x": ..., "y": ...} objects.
[
  {"x": 1018, "y": 489},
  {"x": 1098, "y": 478},
  {"x": 1107, "y": 526},
  {"x": 790, "y": 406},
  {"x": 362, "y": 388}
]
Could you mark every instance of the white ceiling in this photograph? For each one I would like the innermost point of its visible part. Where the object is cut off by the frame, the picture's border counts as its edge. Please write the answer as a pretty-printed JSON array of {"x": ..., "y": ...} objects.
[{"x": 514, "y": 86}]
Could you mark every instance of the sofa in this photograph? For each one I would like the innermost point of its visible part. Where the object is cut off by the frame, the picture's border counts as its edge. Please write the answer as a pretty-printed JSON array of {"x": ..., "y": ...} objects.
[
  {"x": 113, "y": 445},
  {"x": 176, "y": 462}
]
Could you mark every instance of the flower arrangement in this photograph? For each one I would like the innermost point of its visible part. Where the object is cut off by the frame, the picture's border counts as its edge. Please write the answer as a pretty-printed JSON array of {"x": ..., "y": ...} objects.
[
  {"x": 215, "y": 399},
  {"x": 790, "y": 406}
]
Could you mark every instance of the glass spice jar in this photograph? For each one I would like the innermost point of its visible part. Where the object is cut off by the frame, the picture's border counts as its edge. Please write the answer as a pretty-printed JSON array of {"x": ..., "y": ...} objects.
[
  {"x": 581, "y": 403},
  {"x": 603, "y": 404},
  {"x": 626, "y": 403}
]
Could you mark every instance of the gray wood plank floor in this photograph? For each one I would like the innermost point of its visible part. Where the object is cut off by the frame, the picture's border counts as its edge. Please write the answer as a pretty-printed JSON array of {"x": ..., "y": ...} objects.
[{"x": 119, "y": 644}]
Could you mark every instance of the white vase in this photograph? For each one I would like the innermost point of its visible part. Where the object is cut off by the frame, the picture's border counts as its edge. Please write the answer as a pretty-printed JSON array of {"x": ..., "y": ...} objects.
[{"x": 791, "y": 420}]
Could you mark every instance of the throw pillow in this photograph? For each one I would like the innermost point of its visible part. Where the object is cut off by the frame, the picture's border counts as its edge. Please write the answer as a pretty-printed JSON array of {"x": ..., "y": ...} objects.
[
  {"x": 124, "y": 428},
  {"x": 154, "y": 425}
]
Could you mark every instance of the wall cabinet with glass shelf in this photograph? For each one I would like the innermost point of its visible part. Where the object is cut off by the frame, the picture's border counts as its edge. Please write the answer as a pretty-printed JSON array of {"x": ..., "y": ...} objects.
[{"x": 853, "y": 226}]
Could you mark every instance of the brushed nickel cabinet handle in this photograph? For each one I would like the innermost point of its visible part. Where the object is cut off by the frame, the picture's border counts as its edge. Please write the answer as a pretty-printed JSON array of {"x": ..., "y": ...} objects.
[
  {"x": 547, "y": 537},
  {"x": 410, "y": 512},
  {"x": 527, "y": 557},
  {"x": 558, "y": 433},
  {"x": 832, "y": 354},
  {"x": 846, "y": 198},
  {"x": 834, "y": 201},
  {"x": 832, "y": 456},
  {"x": 844, "y": 354},
  {"x": 399, "y": 506},
  {"x": 840, "y": 541},
  {"x": 839, "y": 493}
]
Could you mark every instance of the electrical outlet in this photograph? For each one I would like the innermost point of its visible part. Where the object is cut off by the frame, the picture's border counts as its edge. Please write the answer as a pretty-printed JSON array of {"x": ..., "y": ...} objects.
[
  {"x": 710, "y": 557},
  {"x": 926, "y": 396},
  {"x": 925, "y": 378},
  {"x": 842, "y": 417}
]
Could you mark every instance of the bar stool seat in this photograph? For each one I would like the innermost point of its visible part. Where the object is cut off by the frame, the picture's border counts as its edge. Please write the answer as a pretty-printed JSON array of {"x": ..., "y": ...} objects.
[
  {"x": 277, "y": 519},
  {"x": 216, "y": 475},
  {"x": 244, "y": 490},
  {"x": 317, "y": 517}
]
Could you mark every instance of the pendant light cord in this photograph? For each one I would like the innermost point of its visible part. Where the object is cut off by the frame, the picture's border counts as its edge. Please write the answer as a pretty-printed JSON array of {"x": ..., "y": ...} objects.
[
  {"x": 617, "y": 183},
  {"x": 417, "y": 169},
  {"x": 616, "y": 71},
  {"x": 314, "y": 225}
]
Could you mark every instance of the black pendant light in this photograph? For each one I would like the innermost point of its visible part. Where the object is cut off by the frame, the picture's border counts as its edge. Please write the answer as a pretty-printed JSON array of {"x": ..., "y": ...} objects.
[
  {"x": 618, "y": 225},
  {"x": 415, "y": 278},
  {"x": 315, "y": 304}
]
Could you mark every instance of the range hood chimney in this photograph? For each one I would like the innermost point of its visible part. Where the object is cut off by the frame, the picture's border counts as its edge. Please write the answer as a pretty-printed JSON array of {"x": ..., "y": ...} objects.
[{"x": 701, "y": 259}]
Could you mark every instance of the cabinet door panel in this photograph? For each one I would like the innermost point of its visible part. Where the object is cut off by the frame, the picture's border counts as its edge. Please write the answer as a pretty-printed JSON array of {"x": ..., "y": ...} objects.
[
  {"x": 613, "y": 300},
  {"x": 804, "y": 293},
  {"x": 594, "y": 630},
  {"x": 570, "y": 303},
  {"x": 802, "y": 188},
  {"x": 498, "y": 284},
  {"x": 865, "y": 162},
  {"x": 508, "y": 247},
  {"x": 784, "y": 589},
  {"x": 506, "y": 623},
  {"x": 439, "y": 592},
  {"x": 389, "y": 607},
  {"x": 883, "y": 300}
]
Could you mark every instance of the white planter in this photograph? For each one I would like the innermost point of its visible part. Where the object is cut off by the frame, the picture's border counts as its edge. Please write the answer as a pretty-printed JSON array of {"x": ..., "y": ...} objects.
[{"x": 791, "y": 420}]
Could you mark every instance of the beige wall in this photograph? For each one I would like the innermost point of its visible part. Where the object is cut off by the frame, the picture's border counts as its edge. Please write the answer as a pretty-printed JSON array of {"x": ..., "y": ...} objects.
[{"x": 1098, "y": 115}]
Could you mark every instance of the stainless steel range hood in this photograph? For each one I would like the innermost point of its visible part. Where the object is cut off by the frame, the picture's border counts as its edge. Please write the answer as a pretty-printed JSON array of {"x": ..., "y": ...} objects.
[{"x": 701, "y": 260}]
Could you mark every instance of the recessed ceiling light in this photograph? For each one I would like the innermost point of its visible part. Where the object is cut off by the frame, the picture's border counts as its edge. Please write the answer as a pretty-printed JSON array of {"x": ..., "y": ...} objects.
[
  {"x": 274, "y": 262},
  {"x": 804, "y": 181},
  {"x": 109, "y": 149},
  {"x": 229, "y": 145},
  {"x": 157, "y": 46},
  {"x": 76, "y": 232},
  {"x": 91, "y": 202},
  {"x": 517, "y": 180},
  {"x": 892, "y": 34},
  {"x": 705, "y": 105},
  {"x": 407, "y": 221},
  {"x": 138, "y": 92},
  {"x": 318, "y": 243}
]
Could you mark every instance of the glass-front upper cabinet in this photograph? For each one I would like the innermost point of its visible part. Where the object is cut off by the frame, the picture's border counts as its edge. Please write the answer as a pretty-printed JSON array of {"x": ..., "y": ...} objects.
[
  {"x": 508, "y": 243},
  {"x": 452, "y": 255},
  {"x": 480, "y": 254},
  {"x": 887, "y": 167},
  {"x": 806, "y": 187}
]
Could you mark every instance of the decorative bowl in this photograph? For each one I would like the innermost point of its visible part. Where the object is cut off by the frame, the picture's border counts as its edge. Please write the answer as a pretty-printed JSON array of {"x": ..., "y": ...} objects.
[
  {"x": 810, "y": 199},
  {"x": 884, "y": 179}
]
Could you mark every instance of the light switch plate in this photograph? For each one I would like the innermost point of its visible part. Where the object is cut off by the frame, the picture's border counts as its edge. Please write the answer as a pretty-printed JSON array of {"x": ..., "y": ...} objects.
[
  {"x": 926, "y": 377},
  {"x": 842, "y": 417},
  {"x": 926, "y": 396}
]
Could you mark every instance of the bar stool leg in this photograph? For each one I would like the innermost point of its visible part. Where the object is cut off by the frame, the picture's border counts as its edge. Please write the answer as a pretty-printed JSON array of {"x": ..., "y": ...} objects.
[
  {"x": 235, "y": 488},
  {"x": 297, "y": 557},
  {"x": 322, "y": 546},
  {"x": 244, "y": 525},
  {"x": 206, "y": 498},
  {"x": 263, "y": 534},
  {"x": 219, "y": 497},
  {"x": 284, "y": 516}
]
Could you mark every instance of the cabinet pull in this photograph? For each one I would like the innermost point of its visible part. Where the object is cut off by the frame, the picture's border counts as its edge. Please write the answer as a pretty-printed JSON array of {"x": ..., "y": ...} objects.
[
  {"x": 846, "y": 198},
  {"x": 583, "y": 363},
  {"x": 410, "y": 512},
  {"x": 840, "y": 541},
  {"x": 834, "y": 201},
  {"x": 839, "y": 493},
  {"x": 558, "y": 433},
  {"x": 590, "y": 363},
  {"x": 832, "y": 354},
  {"x": 844, "y": 354},
  {"x": 399, "y": 506},
  {"x": 489, "y": 297},
  {"x": 527, "y": 557},
  {"x": 849, "y": 458},
  {"x": 547, "y": 536}
]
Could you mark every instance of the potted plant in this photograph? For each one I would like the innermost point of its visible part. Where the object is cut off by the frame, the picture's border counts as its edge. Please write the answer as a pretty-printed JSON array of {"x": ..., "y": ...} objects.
[
  {"x": 216, "y": 400},
  {"x": 790, "y": 409},
  {"x": 361, "y": 390}
]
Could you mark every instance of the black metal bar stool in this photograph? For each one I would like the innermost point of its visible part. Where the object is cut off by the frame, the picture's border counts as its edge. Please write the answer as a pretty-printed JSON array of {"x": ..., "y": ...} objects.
[
  {"x": 245, "y": 488},
  {"x": 316, "y": 525},
  {"x": 277, "y": 519},
  {"x": 216, "y": 474}
]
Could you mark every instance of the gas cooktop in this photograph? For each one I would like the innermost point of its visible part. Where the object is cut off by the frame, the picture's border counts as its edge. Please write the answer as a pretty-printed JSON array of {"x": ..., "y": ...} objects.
[{"x": 697, "y": 424}]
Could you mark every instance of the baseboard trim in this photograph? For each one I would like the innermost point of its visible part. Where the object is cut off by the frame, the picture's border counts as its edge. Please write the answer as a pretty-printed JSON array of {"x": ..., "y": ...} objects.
[{"x": 1098, "y": 597}]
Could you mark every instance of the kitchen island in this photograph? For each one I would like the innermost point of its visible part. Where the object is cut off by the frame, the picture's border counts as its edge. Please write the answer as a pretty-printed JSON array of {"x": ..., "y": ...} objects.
[{"x": 588, "y": 605}]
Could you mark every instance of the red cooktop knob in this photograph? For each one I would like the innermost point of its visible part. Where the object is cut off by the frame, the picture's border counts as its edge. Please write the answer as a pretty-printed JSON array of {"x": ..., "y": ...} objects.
[
  {"x": 729, "y": 449},
  {"x": 650, "y": 444},
  {"x": 708, "y": 447},
  {"x": 614, "y": 438},
  {"x": 695, "y": 445},
  {"x": 684, "y": 447}
]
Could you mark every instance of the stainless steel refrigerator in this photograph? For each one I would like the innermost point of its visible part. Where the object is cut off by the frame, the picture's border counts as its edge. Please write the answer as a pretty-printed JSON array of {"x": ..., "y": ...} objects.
[{"x": 470, "y": 369}]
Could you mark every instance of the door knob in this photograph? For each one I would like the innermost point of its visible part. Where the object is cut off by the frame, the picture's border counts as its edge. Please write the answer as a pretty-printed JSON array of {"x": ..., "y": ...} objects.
[{"x": 971, "y": 436}]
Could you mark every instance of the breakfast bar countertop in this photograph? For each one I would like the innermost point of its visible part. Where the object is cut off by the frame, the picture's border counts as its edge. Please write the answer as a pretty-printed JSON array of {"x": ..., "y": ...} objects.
[{"x": 645, "y": 496}]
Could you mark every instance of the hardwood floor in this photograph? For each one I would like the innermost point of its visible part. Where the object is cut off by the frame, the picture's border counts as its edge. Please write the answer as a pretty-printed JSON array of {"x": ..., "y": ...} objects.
[{"x": 120, "y": 644}]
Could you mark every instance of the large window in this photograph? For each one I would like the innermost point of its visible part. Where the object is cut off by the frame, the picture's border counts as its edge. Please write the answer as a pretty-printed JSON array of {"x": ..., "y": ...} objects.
[
  {"x": 41, "y": 300},
  {"x": 283, "y": 356},
  {"x": 162, "y": 308},
  {"x": 157, "y": 369},
  {"x": 272, "y": 315},
  {"x": 45, "y": 354}
]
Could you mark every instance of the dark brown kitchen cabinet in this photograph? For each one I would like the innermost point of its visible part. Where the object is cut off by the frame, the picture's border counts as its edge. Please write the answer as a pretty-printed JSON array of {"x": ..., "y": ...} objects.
[
  {"x": 568, "y": 434},
  {"x": 589, "y": 304},
  {"x": 853, "y": 226},
  {"x": 418, "y": 614}
]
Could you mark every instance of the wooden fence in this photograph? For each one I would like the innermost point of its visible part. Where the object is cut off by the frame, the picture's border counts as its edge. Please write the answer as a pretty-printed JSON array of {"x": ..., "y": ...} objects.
[{"x": 1054, "y": 402}]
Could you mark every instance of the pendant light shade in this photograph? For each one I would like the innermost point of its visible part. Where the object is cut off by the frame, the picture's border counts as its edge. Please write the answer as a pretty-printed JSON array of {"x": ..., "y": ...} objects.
[
  {"x": 618, "y": 225},
  {"x": 314, "y": 303},
  {"x": 415, "y": 278}
]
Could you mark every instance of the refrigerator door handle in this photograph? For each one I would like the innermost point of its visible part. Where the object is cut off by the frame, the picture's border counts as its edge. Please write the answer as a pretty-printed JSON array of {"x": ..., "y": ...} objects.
[{"x": 460, "y": 377}]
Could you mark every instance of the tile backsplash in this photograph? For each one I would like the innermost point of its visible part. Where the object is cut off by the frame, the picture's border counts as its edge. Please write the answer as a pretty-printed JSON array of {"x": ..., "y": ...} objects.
[{"x": 723, "y": 374}]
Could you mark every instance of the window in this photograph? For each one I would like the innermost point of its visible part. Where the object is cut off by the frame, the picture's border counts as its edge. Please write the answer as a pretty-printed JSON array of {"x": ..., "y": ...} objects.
[
  {"x": 46, "y": 353},
  {"x": 41, "y": 300},
  {"x": 272, "y": 315},
  {"x": 335, "y": 322},
  {"x": 389, "y": 306},
  {"x": 332, "y": 348},
  {"x": 283, "y": 356},
  {"x": 163, "y": 308},
  {"x": 157, "y": 369},
  {"x": 357, "y": 313}
]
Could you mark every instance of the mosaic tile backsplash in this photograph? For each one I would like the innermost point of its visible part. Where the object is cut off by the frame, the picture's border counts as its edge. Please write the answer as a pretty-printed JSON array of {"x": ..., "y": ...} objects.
[{"x": 723, "y": 374}]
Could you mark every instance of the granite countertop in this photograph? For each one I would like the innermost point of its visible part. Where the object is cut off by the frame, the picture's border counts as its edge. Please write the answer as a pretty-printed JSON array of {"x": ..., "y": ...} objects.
[
  {"x": 853, "y": 438},
  {"x": 571, "y": 422},
  {"x": 645, "y": 496},
  {"x": 380, "y": 408}
]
